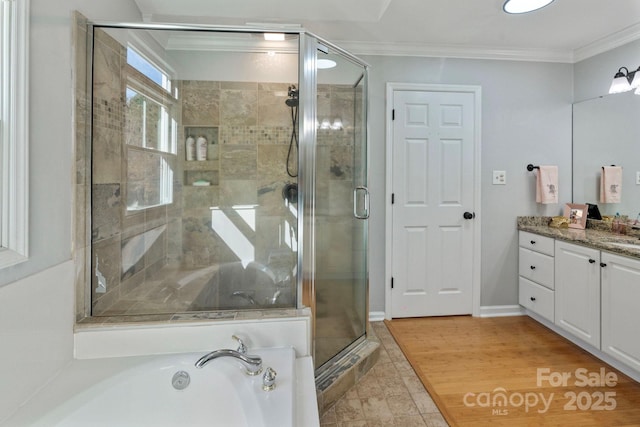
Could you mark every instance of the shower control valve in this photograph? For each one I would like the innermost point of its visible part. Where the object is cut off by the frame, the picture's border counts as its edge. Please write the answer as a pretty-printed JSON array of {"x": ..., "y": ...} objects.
[{"x": 241, "y": 347}]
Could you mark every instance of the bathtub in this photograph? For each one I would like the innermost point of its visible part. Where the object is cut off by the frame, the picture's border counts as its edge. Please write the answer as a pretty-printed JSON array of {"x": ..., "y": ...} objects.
[{"x": 139, "y": 392}]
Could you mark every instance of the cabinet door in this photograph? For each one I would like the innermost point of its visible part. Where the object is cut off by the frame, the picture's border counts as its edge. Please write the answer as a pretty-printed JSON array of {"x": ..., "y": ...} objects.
[
  {"x": 577, "y": 282},
  {"x": 621, "y": 308}
]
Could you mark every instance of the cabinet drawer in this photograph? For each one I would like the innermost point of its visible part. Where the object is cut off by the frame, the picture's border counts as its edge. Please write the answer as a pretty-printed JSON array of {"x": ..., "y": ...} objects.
[
  {"x": 536, "y": 267},
  {"x": 536, "y": 242},
  {"x": 536, "y": 298}
]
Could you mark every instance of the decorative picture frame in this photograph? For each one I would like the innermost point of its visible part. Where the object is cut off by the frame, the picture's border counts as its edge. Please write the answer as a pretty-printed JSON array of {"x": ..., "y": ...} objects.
[{"x": 577, "y": 215}]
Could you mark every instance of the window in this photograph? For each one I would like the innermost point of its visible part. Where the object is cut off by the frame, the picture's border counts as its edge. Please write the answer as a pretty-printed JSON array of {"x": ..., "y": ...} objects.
[
  {"x": 14, "y": 18},
  {"x": 150, "y": 134}
]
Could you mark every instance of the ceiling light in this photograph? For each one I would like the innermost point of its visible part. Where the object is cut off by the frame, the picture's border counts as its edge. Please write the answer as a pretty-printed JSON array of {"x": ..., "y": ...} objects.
[
  {"x": 323, "y": 64},
  {"x": 524, "y": 6},
  {"x": 274, "y": 37}
]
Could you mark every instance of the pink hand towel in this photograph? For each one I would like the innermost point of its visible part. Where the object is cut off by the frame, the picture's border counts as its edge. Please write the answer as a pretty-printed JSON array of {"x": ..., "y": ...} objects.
[
  {"x": 547, "y": 185},
  {"x": 611, "y": 184}
]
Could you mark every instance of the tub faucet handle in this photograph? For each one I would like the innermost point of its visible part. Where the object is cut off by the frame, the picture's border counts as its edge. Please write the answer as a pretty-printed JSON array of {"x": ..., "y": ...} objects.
[
  {"x": 269, "y": 379},
  {"x": 241, "y": 347}
]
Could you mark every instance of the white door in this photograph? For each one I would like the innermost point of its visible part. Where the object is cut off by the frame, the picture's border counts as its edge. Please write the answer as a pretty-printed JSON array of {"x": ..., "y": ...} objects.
[{"x": 433, "y": 203}]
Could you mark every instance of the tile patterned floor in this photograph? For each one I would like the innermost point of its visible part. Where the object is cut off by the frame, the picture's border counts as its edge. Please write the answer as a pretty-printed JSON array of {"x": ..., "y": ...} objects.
[{"x": 389, "y": 395}]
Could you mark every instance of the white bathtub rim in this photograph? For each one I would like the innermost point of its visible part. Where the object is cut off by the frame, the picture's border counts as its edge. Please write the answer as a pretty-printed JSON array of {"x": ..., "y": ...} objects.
[{"x": 80, "y": 375}]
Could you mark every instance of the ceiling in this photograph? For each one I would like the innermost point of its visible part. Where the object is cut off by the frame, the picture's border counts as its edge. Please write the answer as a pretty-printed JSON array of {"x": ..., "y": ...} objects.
[{"x": 564, "y": 31}]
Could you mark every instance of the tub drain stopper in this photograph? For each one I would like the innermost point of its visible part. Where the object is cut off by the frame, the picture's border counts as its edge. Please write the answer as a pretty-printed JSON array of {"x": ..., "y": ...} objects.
[{"x": 180, "y": 380}]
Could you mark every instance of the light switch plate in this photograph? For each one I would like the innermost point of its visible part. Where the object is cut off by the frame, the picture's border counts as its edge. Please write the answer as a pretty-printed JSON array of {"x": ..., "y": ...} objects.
[
  {"x": 638, "y": 178},
  {"x": 499, "y": 177}
]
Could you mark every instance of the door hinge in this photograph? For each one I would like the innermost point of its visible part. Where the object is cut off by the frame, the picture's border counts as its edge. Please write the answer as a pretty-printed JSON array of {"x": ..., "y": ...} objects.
[
  {"x": 393, "y": 198},
  {"x": 392, "y": 283},
  {"x": 393, "y": 114}
]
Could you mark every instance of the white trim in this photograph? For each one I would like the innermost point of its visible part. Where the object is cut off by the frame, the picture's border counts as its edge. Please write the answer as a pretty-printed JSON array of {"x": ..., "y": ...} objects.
[
  {"x": 376, "y": 316},
  {"x": 15, "y": 153},
  {"x": 477, "y": 200},
  {"x": 607, "y": 43},
  {"x": 457, "y": 51},
  {"x": 501, "y": 310},
  {"x": 567, "y": 56}
]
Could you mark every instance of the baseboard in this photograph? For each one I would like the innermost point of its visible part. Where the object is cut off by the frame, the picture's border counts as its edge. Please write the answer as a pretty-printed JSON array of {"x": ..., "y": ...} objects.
[
  {"x": 376, "y": 316},
  {"x": 501, "y": 310}
]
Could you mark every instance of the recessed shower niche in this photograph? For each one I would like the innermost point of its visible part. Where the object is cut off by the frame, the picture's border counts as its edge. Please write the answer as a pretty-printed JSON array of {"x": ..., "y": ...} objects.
[{"x": 217, "y": 188}]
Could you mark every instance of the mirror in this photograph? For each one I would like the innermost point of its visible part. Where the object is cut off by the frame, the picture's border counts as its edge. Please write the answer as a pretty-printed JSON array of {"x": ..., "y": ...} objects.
[{"x": 606, "y": 131}]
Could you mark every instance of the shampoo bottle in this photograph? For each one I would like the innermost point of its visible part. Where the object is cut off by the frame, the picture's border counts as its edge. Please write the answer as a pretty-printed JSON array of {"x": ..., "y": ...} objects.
[
  {"x": 190, "y": 148},
  {"x": 201, "y": 148}
]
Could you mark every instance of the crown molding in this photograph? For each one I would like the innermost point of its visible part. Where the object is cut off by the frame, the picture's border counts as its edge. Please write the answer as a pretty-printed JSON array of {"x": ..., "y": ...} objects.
[
  {"x": 607, "y": 43},
  {"x": 457, "y": 51}
]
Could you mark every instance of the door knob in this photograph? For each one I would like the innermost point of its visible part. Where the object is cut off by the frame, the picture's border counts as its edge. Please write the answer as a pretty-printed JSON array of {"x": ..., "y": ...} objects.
[{"x": 469, "y": 215}]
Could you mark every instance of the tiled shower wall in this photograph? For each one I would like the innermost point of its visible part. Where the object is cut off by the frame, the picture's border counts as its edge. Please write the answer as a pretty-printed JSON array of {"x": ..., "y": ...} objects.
[{"x": 248, "y": 127}]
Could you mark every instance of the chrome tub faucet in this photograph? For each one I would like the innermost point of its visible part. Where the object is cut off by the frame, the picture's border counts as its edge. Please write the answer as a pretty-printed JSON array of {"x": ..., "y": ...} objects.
[{"x": 252, "y": 364}]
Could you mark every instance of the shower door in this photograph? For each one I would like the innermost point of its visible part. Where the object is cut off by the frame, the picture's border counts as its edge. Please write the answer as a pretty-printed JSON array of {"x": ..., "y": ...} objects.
[{"x": 341, "y": 207}]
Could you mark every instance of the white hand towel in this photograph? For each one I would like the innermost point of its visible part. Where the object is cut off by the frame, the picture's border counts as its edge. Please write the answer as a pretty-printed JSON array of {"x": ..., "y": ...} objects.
[
  {"x": 547, "y": 185},
  {"x": 611, "y": 184}
]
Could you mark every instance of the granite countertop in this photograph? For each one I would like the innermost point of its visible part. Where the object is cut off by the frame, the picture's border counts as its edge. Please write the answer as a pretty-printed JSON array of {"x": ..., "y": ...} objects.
[{"x": 590, "y": 237}]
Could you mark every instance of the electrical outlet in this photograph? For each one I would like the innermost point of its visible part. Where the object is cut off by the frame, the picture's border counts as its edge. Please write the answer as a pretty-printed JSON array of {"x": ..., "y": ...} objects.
[
  {"x": 638, "y": 178},
  {"x": 499, "y": 177}
]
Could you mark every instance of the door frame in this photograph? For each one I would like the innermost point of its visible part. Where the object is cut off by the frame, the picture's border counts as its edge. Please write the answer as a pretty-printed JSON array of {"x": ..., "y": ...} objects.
[{"x": 476, "y": 268}]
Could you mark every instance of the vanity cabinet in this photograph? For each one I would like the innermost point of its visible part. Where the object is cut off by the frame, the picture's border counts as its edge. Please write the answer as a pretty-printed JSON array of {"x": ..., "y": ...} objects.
[
  {"x": 536, "y": 274},
  {"x": 585, "y": 293},
  {"x": 621, "y": 308},
  {"x": 577, "y": 291}
]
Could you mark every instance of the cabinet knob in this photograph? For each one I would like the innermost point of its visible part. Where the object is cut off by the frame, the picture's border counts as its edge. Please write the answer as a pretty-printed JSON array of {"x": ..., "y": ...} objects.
[
  {"x": 533, "y": 298},
  {"x": 591, "y": 261},
  {"x": 533, "y": 267},
  {"x": 602, "y": 264},
  {"x": 533, "y": 242}
]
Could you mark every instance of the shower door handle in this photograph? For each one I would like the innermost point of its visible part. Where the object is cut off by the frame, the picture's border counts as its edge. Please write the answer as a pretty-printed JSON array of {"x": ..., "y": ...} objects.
[{"x": 366, "y": 202}]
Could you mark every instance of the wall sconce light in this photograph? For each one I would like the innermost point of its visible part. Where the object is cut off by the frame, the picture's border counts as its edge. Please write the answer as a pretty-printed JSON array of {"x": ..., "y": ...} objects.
[{"x": 625, "y": 80}]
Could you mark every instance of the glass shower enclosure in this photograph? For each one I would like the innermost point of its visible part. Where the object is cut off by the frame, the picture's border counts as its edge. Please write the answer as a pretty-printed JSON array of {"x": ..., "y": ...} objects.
[{"x": 228, "y": 173}]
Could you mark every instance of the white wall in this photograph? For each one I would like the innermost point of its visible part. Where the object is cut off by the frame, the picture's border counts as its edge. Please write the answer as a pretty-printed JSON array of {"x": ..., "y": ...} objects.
[
  {"x": 526, "y": 118},
  {"x": 36, "y": 310},
  {"x": 36, "y": 332}
]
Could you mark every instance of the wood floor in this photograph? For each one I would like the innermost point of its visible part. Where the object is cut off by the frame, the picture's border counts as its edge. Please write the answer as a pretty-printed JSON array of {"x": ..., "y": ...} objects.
[{"x": 512, "y": 371}]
